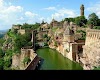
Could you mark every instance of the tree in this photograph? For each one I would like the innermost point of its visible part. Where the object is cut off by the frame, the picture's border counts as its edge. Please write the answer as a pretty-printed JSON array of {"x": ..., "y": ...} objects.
[
  {"x": 81, "y": 20},
  {"x": 29, "y": 43},
  {"x": 98, "y": 22},
  {"x": 1, "y": 63},
  {"x": 45, "y": 36},
  {"x": 45, "y": 44},
  {"x": 7, "y": 63},
  {"x": 69, "y": 19},
  {"x": 93, "y": 19},
  {"x": 1, "y": 53},
  {"x": 2, "y": 41}
]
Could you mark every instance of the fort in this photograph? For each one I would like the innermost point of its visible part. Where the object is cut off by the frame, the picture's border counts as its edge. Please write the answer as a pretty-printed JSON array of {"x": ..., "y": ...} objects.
[{"x": 65, "y": 40}]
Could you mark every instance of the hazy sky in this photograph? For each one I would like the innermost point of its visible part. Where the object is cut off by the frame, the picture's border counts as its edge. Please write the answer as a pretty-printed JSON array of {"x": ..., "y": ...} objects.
[{"x": 31, "y": 11}]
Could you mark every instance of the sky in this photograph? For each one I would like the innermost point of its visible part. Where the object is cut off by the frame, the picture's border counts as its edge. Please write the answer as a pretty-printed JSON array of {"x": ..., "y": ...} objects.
[{"x": 32, "y": 11}]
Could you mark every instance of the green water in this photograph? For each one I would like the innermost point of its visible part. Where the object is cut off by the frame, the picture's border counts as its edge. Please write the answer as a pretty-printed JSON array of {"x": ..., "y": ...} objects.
[{"x": 53, "y": 60}]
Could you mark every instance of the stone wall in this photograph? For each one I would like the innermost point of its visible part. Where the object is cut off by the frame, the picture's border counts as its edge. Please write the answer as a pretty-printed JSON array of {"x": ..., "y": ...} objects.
[
  {"x": 91, "y": 50},
  {"x": 17, "y": 60},
  {"x": 21, "y": 31}
]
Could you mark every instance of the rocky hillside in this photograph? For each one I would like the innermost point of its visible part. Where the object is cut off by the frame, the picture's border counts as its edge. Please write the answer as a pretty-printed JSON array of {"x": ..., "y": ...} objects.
[{"x": 11, "y": 45}]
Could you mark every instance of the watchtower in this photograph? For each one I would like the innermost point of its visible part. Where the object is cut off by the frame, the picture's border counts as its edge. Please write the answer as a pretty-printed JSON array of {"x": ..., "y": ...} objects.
[{"x": 82, "y": 10}]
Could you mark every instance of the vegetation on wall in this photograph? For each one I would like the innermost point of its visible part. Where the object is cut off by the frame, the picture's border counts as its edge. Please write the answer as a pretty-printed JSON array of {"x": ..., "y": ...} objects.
[
  {"x": 30, "y": 26},
  {"x": 26, "y": 60},
  {"x": 83, "y": 33},
  {"x": 55, "y": 44}
]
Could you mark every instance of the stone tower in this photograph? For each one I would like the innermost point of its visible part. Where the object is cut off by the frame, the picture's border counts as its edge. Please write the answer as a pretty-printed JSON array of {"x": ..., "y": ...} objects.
[
  {"x": 82, "y": 10},
  {"x": 68, "y": 34}
]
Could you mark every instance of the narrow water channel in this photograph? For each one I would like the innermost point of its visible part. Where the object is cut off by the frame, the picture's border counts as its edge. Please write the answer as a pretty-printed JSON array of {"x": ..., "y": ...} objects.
[{"x": 53, "y": 60}]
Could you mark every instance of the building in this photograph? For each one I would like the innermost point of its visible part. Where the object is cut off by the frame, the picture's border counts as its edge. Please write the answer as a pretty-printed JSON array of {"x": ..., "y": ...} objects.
[{"x": 55, "y": 23}]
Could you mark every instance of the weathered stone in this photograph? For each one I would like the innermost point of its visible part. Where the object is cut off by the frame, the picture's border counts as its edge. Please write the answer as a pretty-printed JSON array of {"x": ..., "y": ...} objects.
[{"x": 91, "y": 49}]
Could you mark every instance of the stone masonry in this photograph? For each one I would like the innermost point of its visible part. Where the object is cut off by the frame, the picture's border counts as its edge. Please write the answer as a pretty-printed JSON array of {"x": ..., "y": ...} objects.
[{"x": 91, "y": 50}]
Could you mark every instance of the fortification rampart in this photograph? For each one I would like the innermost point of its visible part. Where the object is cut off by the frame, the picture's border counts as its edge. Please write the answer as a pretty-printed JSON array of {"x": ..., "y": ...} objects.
[{"x": 91, "y": 50}]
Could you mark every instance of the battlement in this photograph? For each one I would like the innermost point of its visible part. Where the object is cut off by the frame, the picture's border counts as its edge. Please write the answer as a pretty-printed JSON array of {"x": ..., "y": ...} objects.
[
  {"x": 91, "y": 50},
  {"x": 92, "y": 30},
  {"x": 93, "y": 33}
]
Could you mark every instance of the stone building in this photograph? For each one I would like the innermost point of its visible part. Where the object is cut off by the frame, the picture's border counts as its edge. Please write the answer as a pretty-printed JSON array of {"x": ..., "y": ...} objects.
[
  {"x": 68, "y": 46},
  {"x": 44, "y": 27},
  {"x": 55, "y": 23}
]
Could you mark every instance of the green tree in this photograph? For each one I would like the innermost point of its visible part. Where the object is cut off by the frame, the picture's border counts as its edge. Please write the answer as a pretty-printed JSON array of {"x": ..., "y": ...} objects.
[
  {"x": 7, "y": 63},
  {"x": 45, "y": 44},
  {"x": 29, "y": 43},
  {"x": 81, "y": 20},
  {"x": 45, "y": 36},
  {"x": 1, "y": 63},
  {"x": 93, "y": 19},
  {"x": 2, "y": 41},
  {"x": 69, "y": 19},
  {"x": 1, "y": 53}
]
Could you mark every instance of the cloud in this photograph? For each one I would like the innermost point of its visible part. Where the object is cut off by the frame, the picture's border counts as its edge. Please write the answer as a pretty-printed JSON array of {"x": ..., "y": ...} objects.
[
  {"x": 10, "y": 14},
  {"x": 95, "y": 8},
  {"x": 30, "y": 14},
  {"x": 50, "y": 8},
  {"x": 62, "y": 13}
]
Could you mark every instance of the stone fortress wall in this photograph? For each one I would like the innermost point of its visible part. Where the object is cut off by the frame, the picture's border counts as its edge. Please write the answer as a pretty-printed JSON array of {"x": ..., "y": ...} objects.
[
  {"x": 17, "y": 60},
  {"x": 91, "y": 49}
]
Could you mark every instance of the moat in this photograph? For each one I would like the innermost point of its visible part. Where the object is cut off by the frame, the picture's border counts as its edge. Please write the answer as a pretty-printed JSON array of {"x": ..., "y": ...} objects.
[{"x": 53, "y": 60}]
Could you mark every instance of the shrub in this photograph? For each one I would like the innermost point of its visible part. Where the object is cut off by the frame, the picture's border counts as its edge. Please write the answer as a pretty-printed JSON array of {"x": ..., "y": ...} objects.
[
  {"x": 45, "y": 44},
  {"x": 55, "y": 43},
  {"x": 26, "y": 60},
  {"x": 1, "y": 63}
]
